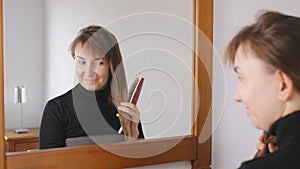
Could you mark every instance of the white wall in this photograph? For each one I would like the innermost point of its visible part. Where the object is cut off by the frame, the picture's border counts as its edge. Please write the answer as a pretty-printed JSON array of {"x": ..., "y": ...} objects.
[
  {"x": 155, "y": 40},
  {"x": 24, "y": 60},
  {"x": 234, "y": 138}
]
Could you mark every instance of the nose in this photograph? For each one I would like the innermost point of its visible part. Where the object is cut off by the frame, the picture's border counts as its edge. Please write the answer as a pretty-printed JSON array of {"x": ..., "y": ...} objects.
[{"x": 90, "y": 70}]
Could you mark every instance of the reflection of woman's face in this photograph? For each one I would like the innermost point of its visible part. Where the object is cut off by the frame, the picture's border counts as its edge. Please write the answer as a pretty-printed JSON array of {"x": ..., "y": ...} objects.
[
  {"x": 257, "y": 89},
  {"x": 92, "y": 72}
]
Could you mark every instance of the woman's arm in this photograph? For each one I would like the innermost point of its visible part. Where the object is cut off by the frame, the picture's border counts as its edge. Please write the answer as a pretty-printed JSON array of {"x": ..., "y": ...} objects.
[{"x": 52, "y": 130}]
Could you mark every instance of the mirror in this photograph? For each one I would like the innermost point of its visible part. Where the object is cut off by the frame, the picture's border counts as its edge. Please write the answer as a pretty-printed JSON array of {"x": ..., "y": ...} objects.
[
  {"x": 187, "y": 144},
  {"x": 155, "y": 42}
]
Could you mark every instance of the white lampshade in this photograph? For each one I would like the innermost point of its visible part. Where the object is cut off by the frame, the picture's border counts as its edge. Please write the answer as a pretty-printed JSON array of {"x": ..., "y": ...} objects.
[{"x": 20, "y": 94}]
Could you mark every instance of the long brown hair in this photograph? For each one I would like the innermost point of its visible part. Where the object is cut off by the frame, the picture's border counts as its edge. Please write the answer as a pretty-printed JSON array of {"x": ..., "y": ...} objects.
[{"x": 99, "y": 41}]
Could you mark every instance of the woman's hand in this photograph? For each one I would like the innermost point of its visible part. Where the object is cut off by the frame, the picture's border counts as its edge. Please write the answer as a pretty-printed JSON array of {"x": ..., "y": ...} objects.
[
  {"x": 261, "y": 145},
  {"x": 133, "y": 113}
]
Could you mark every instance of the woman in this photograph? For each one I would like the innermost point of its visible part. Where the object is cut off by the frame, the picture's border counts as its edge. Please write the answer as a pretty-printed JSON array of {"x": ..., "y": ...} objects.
[
  {"x": 90, "y": 107},
  {"x": 266, "y": 57}
]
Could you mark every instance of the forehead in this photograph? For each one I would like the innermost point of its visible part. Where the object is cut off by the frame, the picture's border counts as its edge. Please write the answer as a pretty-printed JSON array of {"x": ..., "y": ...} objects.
[
  {"x": 247, "y": 61},
  {"x": 241, "y": 56},
  {"x": 85, "y": 52}
]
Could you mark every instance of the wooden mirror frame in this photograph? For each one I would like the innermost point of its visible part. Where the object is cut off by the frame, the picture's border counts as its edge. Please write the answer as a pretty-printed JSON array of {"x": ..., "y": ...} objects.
[{"x": 188, "y": 149}]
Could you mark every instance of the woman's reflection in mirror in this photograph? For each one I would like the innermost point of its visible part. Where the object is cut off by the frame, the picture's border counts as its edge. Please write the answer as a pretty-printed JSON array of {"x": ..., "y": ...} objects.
[{"x": 97, "y": 105}]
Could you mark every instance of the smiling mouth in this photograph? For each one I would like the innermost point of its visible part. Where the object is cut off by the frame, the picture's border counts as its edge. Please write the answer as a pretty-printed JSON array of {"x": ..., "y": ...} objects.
[{"x": 91, "y": 80}]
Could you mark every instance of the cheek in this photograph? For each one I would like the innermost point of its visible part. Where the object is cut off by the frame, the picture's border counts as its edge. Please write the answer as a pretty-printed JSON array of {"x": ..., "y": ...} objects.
[
  {"x": 246, "y": 93},
  {"x": 79, "y": 71},
  {"x": 251, "y": 95},
  {"x": 258, "y": 93},
  {"x": 263, "y": 105},
  {"x": 103, "y": 72}
]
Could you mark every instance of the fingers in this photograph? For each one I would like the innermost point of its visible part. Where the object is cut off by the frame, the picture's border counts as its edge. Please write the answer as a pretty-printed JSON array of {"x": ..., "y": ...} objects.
[
  {"x": 131, "y": 110},
  {"x": 128, "y": 109},
  {"x": 261, "y": 139},
  {"x": 272, "y": 147},
  {"x": 260, "y": 146}
]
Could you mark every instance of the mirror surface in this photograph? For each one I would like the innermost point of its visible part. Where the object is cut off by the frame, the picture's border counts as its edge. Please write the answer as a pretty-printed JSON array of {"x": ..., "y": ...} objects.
[{"x": 155, "y": 38}]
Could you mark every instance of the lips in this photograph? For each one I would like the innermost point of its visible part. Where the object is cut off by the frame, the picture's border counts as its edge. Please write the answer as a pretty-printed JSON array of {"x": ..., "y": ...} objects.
[
  {"x": 90, "y": 80},
  {"x": 247, "y": 110}
]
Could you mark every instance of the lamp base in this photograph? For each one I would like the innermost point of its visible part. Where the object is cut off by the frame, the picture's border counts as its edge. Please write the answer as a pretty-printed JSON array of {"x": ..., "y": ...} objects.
[{"x": 21, "y": 130}]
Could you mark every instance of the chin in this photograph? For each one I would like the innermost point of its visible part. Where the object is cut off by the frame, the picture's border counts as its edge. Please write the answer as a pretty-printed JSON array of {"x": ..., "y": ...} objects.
[
  {"x": 255, "y": 124},
  {"x": 89, "y": 87},
  {"x": 92, "y": 86},
  {"x": 260, "y": 127}
]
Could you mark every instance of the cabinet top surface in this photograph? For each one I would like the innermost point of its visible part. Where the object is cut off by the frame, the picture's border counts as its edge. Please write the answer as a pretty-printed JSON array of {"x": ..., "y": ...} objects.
[{"x": 12, "y": 135}]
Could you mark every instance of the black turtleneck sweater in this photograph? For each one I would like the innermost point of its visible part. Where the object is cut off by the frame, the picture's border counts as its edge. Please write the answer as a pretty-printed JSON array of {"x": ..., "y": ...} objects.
[
  {"x": 78, "y": 113},
  {"x": 287, "y": 132}
]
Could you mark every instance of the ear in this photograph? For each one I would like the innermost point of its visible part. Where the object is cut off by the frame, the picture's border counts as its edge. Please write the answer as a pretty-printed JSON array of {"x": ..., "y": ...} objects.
[{"x": 286, "y": 86}]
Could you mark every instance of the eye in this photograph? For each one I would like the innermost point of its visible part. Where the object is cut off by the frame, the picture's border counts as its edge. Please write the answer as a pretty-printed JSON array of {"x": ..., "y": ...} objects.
[
  {"x": 100, "y": 62},
  {"x": 81, "y": 62}
]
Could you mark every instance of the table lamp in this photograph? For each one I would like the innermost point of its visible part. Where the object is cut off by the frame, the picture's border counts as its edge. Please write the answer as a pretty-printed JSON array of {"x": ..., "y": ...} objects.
[{"x": 20, "y": 97}]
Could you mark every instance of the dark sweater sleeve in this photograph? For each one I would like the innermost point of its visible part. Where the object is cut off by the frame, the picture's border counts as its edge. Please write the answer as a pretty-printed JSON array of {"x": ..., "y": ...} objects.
[{"x": 52, "y": 130}]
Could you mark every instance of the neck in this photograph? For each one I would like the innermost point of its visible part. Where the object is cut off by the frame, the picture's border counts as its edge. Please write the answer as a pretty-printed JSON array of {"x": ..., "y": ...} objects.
[{"x": 292, "y": 104}]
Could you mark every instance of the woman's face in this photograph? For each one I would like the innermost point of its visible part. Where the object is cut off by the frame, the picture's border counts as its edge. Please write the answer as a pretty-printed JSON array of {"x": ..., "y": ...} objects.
[
  {"x": 92, "y": 71},
  {"x": 258, "y": 89}
]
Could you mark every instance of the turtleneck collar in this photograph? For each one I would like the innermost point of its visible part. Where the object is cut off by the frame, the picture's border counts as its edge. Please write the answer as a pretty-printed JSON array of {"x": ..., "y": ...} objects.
[
  {"x": 101, "y": 95},
  {"x": 287, "y": 129}
]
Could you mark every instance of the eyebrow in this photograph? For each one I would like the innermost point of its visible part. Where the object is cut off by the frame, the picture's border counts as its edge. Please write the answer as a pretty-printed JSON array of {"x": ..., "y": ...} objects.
[
  {"x": 96, "y": 59},
  {"x": 80, "y": 57},
  {"x": 99, "y": 59}
]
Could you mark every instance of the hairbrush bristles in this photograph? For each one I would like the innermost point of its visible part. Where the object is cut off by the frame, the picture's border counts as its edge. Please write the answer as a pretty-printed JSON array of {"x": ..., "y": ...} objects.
[{"x": 132, "y": 87}]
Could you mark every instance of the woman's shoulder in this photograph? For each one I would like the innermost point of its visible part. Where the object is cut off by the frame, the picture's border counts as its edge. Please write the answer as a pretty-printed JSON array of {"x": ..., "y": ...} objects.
[
  {"x": 60, "y": 105},
  {"x": 286, "y": 157},
  {"x": 61, "y": 99}
]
